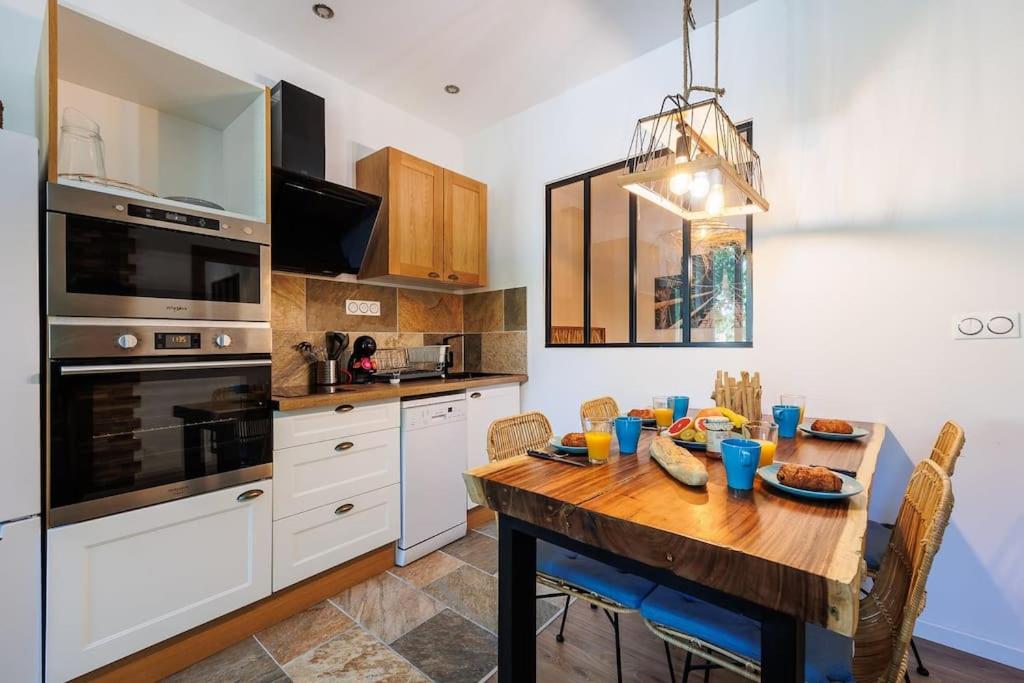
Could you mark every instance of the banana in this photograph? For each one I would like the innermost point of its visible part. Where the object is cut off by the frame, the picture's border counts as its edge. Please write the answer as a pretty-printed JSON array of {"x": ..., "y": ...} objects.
[{"x": 734, "y": 417}]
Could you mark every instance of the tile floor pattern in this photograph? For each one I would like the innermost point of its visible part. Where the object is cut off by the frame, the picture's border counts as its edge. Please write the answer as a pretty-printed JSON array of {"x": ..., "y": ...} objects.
[{"x": 433, "y": 620}]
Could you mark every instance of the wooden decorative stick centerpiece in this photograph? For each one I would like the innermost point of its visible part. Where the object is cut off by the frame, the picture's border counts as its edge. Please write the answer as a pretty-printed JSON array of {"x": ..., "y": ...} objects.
[{"x": 743, "y": 397}]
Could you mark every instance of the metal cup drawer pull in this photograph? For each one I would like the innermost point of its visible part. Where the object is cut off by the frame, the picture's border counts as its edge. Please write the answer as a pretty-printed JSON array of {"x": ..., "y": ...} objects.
[
  {"x": 342, "y": 509},
  {"x": 344, "y": 446},
  {"x": 475, "y": 394},
  {"x": 249, "y": 495},
  {"x": 344, "y": 408}
]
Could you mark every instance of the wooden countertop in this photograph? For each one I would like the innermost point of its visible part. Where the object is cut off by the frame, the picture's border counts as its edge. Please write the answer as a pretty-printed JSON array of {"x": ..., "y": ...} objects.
[
  {"x": 377, "y": 391},
  {"x": 806, "y": 555}
]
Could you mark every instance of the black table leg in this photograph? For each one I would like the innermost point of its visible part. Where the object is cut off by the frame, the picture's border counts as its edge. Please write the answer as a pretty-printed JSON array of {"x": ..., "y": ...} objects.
[
  {"x": 517, "y": 608},
  {"x": 782, "y": 648}
]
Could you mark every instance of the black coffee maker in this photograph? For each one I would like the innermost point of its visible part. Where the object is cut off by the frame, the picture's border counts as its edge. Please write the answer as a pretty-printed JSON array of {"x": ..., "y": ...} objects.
[{"x": 361, "y": 364}]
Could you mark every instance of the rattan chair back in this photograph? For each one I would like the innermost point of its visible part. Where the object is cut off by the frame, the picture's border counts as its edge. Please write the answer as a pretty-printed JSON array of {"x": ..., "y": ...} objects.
[
  {"x": 511, "y": 436},
  {"x": 599, "y": 407},
  {"x": 947, "y": 447},
  {"x": 889, "y": 611}
]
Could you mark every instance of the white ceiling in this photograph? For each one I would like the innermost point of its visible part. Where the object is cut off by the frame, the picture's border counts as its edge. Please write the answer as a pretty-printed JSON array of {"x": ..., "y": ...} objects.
[{"x": 506, "y": 56}]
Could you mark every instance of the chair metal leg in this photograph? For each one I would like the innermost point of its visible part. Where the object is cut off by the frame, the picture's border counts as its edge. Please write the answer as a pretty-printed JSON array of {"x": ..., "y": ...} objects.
[
  {"x": 921, "y": 669},
  {"x": 565, "y": 612},
  {"x": 687, "y": 667},
  {"x": 668, "y": 658},
  {"x": 618, "y": 649},
  {"x": 906, "y": 677}
]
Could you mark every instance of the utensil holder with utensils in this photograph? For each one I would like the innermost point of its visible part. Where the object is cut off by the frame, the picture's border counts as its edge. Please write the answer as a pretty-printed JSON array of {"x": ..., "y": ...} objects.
[{"x": 326, "y": 371}]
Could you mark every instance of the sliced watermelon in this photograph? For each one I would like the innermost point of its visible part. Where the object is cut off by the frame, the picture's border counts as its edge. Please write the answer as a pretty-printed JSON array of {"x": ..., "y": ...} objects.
[{"x": 679, "y": 425}]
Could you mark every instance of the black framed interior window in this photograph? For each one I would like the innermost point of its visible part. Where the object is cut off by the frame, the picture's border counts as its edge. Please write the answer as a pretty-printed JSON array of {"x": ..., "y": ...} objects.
[{"x": 621, "y": 271}]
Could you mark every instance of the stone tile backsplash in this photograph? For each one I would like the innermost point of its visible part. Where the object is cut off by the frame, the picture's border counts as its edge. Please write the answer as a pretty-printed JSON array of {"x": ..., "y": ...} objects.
[{"x": 494, "y": 323}]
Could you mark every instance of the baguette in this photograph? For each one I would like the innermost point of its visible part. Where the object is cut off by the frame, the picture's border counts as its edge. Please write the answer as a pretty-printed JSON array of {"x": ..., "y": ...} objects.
[{"x": 679, "y": 462}]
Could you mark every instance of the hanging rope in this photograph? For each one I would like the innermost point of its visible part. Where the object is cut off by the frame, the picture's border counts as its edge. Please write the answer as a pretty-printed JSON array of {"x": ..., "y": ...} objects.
[{"x": 688, "y": 23}]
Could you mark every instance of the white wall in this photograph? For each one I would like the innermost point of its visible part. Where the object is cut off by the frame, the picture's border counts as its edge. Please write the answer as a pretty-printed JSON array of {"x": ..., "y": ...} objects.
[
  {"x": 891, "y": 149},
  {"x": 357, "y": 122}
]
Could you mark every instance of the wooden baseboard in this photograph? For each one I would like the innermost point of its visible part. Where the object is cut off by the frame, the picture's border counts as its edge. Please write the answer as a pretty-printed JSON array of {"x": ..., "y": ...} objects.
[
  {"x": 173, "y": 655},
  {"x": 479, "y": 516}
]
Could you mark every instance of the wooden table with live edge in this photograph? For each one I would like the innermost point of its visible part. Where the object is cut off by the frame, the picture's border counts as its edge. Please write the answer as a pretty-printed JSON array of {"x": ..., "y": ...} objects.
[{"x": 782, "y": 560}]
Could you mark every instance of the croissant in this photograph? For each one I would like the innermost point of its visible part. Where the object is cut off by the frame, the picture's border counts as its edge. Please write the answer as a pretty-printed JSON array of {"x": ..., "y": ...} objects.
[{"x": 809, "y": 478}]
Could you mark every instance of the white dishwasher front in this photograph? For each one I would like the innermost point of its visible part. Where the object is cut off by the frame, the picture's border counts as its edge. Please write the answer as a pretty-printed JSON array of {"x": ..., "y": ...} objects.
[{"x": 433, "y": 459}]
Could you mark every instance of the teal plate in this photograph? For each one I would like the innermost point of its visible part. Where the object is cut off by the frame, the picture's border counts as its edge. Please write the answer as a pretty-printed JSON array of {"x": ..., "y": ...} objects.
[
  {"x": 857, "y": 433},
  {"x": 691, "y": 445},
  {"x": 556, "y": 441},
  {"x": 851, "y": 487}
]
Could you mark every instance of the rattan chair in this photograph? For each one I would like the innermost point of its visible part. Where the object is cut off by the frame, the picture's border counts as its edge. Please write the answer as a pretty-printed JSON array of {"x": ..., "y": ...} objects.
[
  {"x": 945, "y": 453},
  {"x": 569, "y": 574},
  {"x": 878, "y": 651},
  {"x": 599, "y": 407}
]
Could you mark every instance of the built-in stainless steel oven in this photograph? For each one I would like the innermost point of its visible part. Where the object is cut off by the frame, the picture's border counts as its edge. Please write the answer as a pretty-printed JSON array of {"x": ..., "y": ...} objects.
[
  {"x": 123, "y": 257},
  {"x": 145, "y": 411}
]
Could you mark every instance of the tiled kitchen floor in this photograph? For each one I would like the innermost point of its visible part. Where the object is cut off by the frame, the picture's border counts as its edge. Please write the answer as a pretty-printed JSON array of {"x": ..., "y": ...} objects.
[{"x": 435, "y": 619}]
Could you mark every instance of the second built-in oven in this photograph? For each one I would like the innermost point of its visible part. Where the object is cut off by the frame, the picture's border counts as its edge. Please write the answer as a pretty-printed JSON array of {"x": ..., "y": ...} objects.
[
  {"x": 145, "y": 412},
  {"x": 113, "y": 256}
]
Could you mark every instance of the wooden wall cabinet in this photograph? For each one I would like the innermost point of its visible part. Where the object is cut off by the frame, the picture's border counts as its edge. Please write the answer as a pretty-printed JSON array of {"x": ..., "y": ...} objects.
[{"x": 432, "y": 224}]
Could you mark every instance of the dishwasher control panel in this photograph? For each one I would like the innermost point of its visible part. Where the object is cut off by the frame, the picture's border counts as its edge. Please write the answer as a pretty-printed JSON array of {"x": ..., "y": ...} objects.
[{"x": 438, "y": 413}]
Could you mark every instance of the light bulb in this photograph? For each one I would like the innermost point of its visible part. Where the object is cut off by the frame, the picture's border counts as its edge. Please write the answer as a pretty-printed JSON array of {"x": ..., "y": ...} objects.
[
  {"x": 679, "y": 183},
  {"x": 700, "y": 185},
  {"x": 716, "y": 200}
]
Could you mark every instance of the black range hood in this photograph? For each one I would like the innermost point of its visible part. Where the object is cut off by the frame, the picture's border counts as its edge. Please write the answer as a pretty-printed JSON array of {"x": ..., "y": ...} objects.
[{"x": 317, "y": 227}]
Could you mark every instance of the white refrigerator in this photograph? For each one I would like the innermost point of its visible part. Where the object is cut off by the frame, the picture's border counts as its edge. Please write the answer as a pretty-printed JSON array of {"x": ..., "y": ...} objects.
[{"x": 20, "y": 496}]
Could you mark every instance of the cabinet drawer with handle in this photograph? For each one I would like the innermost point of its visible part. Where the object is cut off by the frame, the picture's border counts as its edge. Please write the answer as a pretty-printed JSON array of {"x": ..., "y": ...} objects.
[
  {"x": 298, "y": 427},
  {"x": 316, "y": 540},
  {"x": 315, "y": 474}
]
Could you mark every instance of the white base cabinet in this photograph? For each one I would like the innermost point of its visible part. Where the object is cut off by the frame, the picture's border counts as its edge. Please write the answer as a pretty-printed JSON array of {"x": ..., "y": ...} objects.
[
  {"x": 21, "y": 601},
  {"x": 118, "y": 584},
  {"x": 316, "y": 540},
  {"x": 484, "y": 406}
]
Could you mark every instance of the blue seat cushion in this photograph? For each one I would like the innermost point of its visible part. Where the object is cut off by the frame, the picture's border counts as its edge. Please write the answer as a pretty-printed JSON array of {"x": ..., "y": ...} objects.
[
  {"x": 828, "y": 655},
  {"x": 875, "y": 544},
  {"x": 597, "y": 577}
]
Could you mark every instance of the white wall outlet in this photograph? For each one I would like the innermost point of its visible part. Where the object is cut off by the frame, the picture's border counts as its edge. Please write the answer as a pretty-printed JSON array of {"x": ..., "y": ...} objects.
[
  {"x": 986, "y": 325},
  {"x": 358, "y": 307}
]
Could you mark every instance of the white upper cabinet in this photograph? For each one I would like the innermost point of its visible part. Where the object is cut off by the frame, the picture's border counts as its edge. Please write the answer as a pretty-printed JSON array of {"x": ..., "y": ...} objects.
[{"x": 168, "y": 125}]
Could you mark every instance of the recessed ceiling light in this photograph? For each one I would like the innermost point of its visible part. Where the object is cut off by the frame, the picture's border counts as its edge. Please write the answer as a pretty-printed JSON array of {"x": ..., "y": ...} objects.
[
  {"x": 452, "y": 89},
  {"x": 323, "y": 11}
]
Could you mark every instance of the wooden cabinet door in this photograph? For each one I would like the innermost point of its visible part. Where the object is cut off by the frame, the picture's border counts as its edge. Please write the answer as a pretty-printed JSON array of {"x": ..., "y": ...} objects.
[
  {"x": 121, "y": 583},
  {"x": 465, "y": 230},
  {"x": 484, "y": 406},
  {"x": 415, "y": 218}
]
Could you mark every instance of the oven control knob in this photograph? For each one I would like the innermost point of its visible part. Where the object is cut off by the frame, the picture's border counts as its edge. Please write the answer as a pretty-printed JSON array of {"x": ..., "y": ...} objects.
[
  {"x": 127, "y": 341},
  {"x": 222, "y": 341}
]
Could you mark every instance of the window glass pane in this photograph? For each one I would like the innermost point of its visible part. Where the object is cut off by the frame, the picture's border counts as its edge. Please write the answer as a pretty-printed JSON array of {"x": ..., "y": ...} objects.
[
  {"x": 609, "y": 259},
  {"x": 659, "y": 274},
  {"x": 567, "y": 264},
  {"x": 719, "y": 280}
]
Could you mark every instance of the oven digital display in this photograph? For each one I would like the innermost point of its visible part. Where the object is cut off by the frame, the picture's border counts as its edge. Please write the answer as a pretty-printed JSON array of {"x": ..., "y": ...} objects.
[
  {"x": 177, "y": 340},
  {"x": 154, "y": 214}
]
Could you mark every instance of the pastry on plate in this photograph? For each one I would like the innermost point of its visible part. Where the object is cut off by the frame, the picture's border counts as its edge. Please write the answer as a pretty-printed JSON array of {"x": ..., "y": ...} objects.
[
  {"x": 832, "y": 426},
  {"x": 574, "y": 440},
  {"x": 809, "y": 478},
  {"x": 642, "y": 413}
]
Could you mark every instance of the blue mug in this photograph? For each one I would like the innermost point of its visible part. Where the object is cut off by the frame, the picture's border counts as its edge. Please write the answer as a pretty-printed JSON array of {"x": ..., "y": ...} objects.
[
  {"x": 627, "y": 431},
  {"x": 787, "y": 417},
  {"x": 680, "y": 405},
  {"x": 741, "y": 457}
]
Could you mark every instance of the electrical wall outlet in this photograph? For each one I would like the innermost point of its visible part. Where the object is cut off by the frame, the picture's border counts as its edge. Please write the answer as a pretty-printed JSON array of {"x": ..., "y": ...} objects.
[
  {"x": 358, "y": 307},
  {"x": 986, "y": 325}
]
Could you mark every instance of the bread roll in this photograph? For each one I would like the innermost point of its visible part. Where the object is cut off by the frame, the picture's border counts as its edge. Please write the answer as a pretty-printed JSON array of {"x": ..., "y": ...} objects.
[
  {"x": 679, "y": 462},
  {"x": 809, "y": 478}
]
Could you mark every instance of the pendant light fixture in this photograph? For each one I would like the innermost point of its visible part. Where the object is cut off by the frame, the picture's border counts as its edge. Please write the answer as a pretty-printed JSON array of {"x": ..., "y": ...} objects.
[{"x": 689, "y": 158}]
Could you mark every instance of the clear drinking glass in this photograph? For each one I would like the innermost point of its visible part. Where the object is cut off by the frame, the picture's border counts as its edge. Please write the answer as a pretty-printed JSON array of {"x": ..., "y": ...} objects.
[
  {"x": 598, "y": 433},
  {"x": 765, "y": 433},
  {"x": 794, "y": 400},
  {"x": 662, "y": 412},
  {"x": 81, "y": 147}
]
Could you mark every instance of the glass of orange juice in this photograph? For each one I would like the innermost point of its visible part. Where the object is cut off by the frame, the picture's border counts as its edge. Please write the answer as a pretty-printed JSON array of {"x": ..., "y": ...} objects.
[
  {"x": 766, "y": 434},
  {"x": 598, "y": 433},
  {"x": 794, "y": 400},
  {"x": 662, "y": 412}
]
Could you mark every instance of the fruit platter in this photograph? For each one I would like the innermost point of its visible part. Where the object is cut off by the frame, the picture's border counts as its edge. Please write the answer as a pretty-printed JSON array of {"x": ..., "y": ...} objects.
[{"x": 691, "y": 432}]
